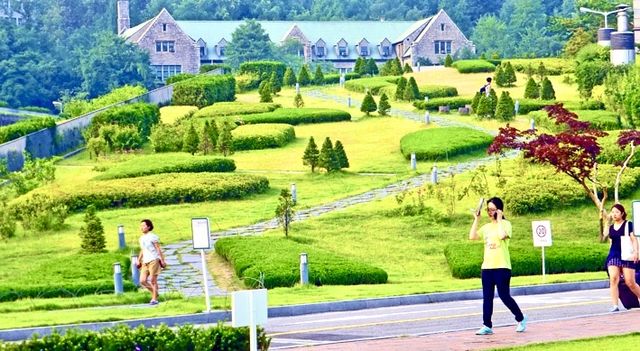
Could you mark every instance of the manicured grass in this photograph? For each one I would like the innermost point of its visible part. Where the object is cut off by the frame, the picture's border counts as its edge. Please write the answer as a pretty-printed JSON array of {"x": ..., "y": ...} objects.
[
  {"x": 608, "y": 343},
  {"x": 170, "y": 114},
  {"x": 439, "y": 143},
  {"x": 234, "y": 108},
  {"x": 262, "y": 136}
]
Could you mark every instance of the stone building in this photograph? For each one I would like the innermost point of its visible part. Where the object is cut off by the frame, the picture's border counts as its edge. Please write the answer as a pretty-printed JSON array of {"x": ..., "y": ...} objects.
[{"x": 182, "y": 46}]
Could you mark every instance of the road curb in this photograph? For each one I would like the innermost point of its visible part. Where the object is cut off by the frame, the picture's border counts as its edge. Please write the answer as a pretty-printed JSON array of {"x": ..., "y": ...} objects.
[{"x": 297, "y": 310}]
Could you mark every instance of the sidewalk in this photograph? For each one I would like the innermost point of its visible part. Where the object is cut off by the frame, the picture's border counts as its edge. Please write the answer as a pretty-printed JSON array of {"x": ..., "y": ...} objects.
[{"x": 505, "y": 336}]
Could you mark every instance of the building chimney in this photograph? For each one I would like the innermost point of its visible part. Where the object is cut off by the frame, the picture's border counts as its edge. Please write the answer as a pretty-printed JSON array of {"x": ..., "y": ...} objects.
[
  {"x": 623, "y": 50},
  {"x": 123, "y": 16}
]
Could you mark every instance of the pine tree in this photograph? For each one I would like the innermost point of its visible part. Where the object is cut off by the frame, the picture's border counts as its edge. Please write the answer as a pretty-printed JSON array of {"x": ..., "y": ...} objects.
[
  {"x": 206, "y": 144},
  {"x": 327, "y": 158},
  {"x": 311, "y": 155},
  {"x": 500, "y": 77},
  {"x": 368, "y": 104},
  {"x": 546, "y": 91},
  {"x": 265, "y": 91},
  {"x": 225, "y": 140},
  {"x": 191, "y": 140},
  {"x": 276, "y": 83},
  {"x": 542, "y": 71},
  {"x": 396, "y": 67},
  {"x": 400, "y": 86},
  {"x": 448, "y": 61},
  {"x": 510, "y": 74},
  {"x": 359, "y": 66},
  {"x": 505, "y": 110},
  {"x": 318, "y": 78},
  {"x": 407, "y": 68},
  {"x": 384, "y": 106},
  {"x": 475, "y": 101},
  {"x": 372, "y": 67},
  {"x": 213, "y": 134},
  {"x": 484, "y": 107},
  {"x": 493, "y": 101},
  {"x": 297, "y": 101},
  {"x": 92, "y": 232},
  {"x": 385, "y": 70},
  {"x": 289, "y": 77},
  {"x": 532, "y": 90},
  {"x": 303, "y": 77},
  {"x": 341, "y": 155},
  {"x": 529, "y": 71},
  {"x": 413, "y": 87}
]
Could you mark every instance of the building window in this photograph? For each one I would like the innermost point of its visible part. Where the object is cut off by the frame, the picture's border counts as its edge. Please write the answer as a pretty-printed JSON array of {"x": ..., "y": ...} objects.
[
  {"x": 342, "y": 51},
  {"x": 164, "y": 27},
  {"x": 165, "y": 71},
  {"x": 222, "y": 50},
  {"x": 319, "y": 51},
  {"x": 364, "y": 51},
  {"x": 442, "y": 27},
  {"x": 203, "y": 52},
  {"x": 442, "y": 47},
  {"x": 165, "y": 46},
  {"x": 386, "y": 51}
]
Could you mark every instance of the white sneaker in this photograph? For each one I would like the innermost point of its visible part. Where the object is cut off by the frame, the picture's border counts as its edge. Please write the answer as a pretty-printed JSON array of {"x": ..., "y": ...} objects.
[{"x": 614, "y": 309}]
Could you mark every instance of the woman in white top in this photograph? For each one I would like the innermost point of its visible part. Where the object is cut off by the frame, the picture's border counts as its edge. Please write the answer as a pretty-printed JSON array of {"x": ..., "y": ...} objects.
[{"x": 150, "y": 260}]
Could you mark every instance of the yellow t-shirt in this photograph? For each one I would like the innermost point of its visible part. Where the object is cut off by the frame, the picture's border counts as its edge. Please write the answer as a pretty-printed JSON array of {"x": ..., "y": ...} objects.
[{"x": 496, "y": 251}]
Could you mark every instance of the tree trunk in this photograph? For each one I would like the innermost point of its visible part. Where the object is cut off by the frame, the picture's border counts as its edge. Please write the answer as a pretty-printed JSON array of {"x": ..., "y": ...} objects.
[{"x": 619, "y": 175}]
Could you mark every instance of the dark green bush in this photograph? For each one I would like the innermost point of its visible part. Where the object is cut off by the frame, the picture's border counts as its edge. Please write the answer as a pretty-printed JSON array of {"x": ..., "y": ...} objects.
[
  {"x": 140, "y": 115},
  {"x": 204, "y": 90},
  {"x": 179, "y": 77},
  {"x": 372, "y": 84},
  {"x": 334, "y": 78},
  {"x": 235, "y": 108},
  {"x": 124, "y": 338},
  {"x": 465, "y": 259},
  {"x": 473, "y": 66},
  {"x": 438, "y": 91},
  {"x": 452, "y": 102},
  {"x": 295, "y": 116},
  {"x": 24, "y": 127},
  {"x": 278, "y": 259},
  {"x": 262, "y": 136},
  {"x": 263, "y": 68},
  {"x": 160, "y": 189},
  {"x": 144, "y": 165},
  {"x": 226, "y": 69},
  {"x": 528, "y": 105},
  {"x": 584, "y": 105},
  {"x": 441, "y": 143},
  {"x": 166, "y": 138}
]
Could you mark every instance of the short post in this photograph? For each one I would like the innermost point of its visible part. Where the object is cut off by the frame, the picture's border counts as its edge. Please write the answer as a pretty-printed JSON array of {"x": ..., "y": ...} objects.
[
  {"x": 117, "y": 278},
  {"x": 418, "y": 66},
  {"x": 135, "y": 272},
  {"x": 297, "y": 88},
  {"x": 342, "y": 79},
  {"x": 427, "y": 117},
  {"x": 349, "y": 101},
  {"x": 205, "y": 281},
  {"x": 426, "y": 99},
  {"x": 121, "y": 242},
  {"x": 434, "y": 174},
  {"x": 414, "y": 164},
  {"x": 304, "y": 269},
  {"x": 532, "y": 124},
  {"x": 517, "y": 106},
  {"x": 294, "y": 193}
]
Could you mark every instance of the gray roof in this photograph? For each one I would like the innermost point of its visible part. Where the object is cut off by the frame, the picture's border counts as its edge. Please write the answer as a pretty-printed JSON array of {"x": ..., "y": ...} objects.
[{"x": 331, "y": 32}]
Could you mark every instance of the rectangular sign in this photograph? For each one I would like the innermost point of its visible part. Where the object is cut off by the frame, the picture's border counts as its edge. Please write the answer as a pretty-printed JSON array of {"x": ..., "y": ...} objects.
[
  {"x": 541, "y": 233},
  {"x": 635, "y": 208},
  {"x": 200, "y": 233},
  {"x": 244, "y": 303}
]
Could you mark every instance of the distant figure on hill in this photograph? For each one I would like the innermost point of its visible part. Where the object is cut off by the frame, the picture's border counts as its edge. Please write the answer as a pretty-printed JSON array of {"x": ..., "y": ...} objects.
[
  {"x": 496, "y": 267},
  {"x": 150, "y": 260},
  {"x": 486, "y": 89}
]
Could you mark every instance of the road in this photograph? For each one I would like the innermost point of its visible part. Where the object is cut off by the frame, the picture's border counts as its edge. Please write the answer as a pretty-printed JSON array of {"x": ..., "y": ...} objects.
[{"x": 425, "y": 319}]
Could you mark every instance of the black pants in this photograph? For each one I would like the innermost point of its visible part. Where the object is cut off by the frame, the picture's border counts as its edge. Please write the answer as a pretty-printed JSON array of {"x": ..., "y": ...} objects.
[{"x": 501, "y": 278}]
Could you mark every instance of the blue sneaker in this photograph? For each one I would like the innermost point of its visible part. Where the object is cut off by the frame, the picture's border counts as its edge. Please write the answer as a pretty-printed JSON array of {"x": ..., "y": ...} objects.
[
  {"x": 484, "y": 331},
  {"x": 522, "y": 325}
]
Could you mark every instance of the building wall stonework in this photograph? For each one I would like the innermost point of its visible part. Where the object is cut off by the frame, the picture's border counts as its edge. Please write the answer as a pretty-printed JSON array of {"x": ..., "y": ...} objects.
[{"x": 425, "y": 45}]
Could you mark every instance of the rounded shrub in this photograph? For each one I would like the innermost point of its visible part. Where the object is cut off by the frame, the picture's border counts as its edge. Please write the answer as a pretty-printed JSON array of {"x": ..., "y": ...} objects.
[
  {"x": 295, "y": 116},
  {"x": 440, "y": 143},
  {"x": 262, "y": 136},
  {"x": 473, "y": 66}
]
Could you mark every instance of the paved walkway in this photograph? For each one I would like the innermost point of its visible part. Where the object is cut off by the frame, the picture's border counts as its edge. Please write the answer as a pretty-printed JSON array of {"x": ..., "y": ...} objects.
[
  {"x": 504, "y": 336},
  {"x": 184, "y": 273}
]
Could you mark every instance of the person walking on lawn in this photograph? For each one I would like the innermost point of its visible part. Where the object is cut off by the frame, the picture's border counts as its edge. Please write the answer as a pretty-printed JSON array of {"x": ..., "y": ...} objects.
[{"x": 150, "y": 260}]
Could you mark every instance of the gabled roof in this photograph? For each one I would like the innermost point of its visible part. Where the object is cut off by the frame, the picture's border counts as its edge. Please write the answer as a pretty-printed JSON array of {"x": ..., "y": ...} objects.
[
  {"x": 414, "y": 27},
  {"x": 135, "y": 33}
]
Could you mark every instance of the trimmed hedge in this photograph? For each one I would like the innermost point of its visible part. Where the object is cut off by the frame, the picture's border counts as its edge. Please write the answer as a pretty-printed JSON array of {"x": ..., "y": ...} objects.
[
  {"x": 440, "y": 143},
  {"x": 611, "y": 152},
  {"x": 24, "y": 127},
  {"x": 167, "y": 163},
  {"x": 159, "y": 189},
  {"x": 278, "y": 259},
  {"x": 473, "y": 66},
  {"x": 584, "y": 105},
  {"x": 452, "y": 102},
  {"x": 372, "y": 84},
  {"x": 204, "y": 90},
  {"x": 179, "y": 77},
  {"x": 553, "y": 66},
  {"x": 334, "y": 78},
  {"x": 438, "y": 91},
  {"x": 529, "y": 105},
  {"x": 262, "y": 136},
  {"x": 295, "y": 116},
  {"x": 263, "y": 68},
  {"x": 141, "y": 115},
  {"x": 226, "y": 69},
  {"x": 235, "y": 108},
  {"x": 465, "y": 259},
  {"x": 603, "y": 120},
  {"x": 124, "y": 338}
]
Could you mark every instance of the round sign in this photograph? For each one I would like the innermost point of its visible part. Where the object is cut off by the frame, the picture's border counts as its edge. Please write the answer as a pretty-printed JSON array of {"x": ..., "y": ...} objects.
[{"x": 541, "y": 231}]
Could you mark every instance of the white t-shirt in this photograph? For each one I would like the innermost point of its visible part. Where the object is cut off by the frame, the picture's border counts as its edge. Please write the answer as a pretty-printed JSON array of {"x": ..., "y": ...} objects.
[{"x": 149, "y": 251}]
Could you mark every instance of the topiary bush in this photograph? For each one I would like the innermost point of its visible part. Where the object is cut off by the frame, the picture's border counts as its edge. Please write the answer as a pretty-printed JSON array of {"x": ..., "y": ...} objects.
[
  {"x": 372, "y": 84},
  {"x": 262, "y": 136},
  {"x": 142, "y": 116},
  {"x": 234, "y": 108},
  {"x": 441, "y": 143},
  {"x": 179, "y": 77},
  {"x": 144, "y": 165},
  {"x": 295, "y": 116},
  {"x": 437, "y": 91},
  {"x": 473, "y": 66},
  {"x": 433, "y": 104},
  {"x": 204, "y": 90}
]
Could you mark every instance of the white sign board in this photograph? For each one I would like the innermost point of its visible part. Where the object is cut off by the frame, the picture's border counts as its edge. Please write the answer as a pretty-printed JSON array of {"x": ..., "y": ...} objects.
[
  {"x": 246, "y": 304},
  {"x": 541, "y": 233},
  {"x": 635, "y": 207},
  {"x": 200, "y": 233}
]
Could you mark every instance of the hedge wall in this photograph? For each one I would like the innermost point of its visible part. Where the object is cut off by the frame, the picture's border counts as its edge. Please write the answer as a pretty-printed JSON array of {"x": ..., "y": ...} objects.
[
  {"x": 262, "y": 136},
  {"x": 295, "y": 116},
  {"x": 603, "y": 120},
  {"x": 24, "y": 127},
  {"x": 473, "y": 66},
  {"x": 204, "y": 90},
  {"x": 167, "y": 163},
  {"x": 334, "y": 78},
  {"x": 438, "y": 91},
  {"x": 373, "y": 84},
  {"x": 611, "y": 152},
  {"x": 433, "y": 104},
  {"x": 263, "y": 68},
  {"x": 160, "y": 189},
  {"x": 143, "y": 116},
  {"x": 179, "y": 77},
  {"x": 554, "y": 66},
  {"x": 279, "y": 260},
  {"x": 441, "y": 143},
  {"x": 465, "y": 259},
  {"x": 529, "y": 105},
  {"x": 235, "y": 108}
]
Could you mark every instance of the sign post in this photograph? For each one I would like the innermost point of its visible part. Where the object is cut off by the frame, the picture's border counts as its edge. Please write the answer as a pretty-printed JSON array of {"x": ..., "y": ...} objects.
[
  {"x": 541, "y": 238},
  {"x": 201, "y": 241},
  {"x": 635, "y": 215},
  {"x": 249, "y": 308}
]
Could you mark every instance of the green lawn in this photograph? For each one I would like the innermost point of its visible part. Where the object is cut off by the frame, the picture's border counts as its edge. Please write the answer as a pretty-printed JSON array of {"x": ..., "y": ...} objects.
[{"x": 626, "y": 342}]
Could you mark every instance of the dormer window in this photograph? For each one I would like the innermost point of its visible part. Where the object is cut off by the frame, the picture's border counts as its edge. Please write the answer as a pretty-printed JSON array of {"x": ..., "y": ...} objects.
[
  {"x": 386, "y": 51},
  {"x": 342, "y": 51},
  {"x": 320, "y": 51},
  {"x": 364, "y": 51},
  {"x": 222, "y": 50},
  {"x": 203, "y": 51},
  {"x": 164, "y": 27}
]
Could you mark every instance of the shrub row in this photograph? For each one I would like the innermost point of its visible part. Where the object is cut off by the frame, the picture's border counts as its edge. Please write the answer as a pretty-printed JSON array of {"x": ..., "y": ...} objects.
[
  {"x": 226, "y": 69},
  {"x": 204, "y": 90},
  {"x": 235, "y": 108},
  {"x": 262, "y": 136},
  {"x": 160, "y": 189},
  {"x": 295, "y": 116},
  {"x": 544, "y": 189},
  {"x": 167, "y": 163},
  {"x": 465, "y": 259},
  {"x": 441, "y": 143},
  {"x": 553, "y": 66},
  {"x": 603, "y": 120},
  {"x": 584, "y": 105},
  {"x": 179, "y": 77},
  {"x": 13, "y": 292},
  {"x": 438, "y": 91},
  {"x": 334, "y": 78},
  {"x": 372, "y": 84},
  {"x": 529, "y": 105},
  {"x": 473, "y": 66},
  {"x": 24, "y": 127},
  {"x": 141, "y": 115},
  {"x": 278, "y": 259},
  {"x": 612, "y": 154},
  {"x": 433, "y": 104},
  {"x": 124, "y": 338},
  {"x": 263, "y": 69}
]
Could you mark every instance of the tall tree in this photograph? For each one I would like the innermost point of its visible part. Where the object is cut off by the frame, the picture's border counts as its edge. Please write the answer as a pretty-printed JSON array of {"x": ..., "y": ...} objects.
[
  {"x": 289, "y": 77},
  {"x": 368, "y": 104},
  {"x": 384, "y": 106},
  {"x": 311, "y": 155},
  {"x": 285, "y": 211},
  {"x": 327, "y": 158},
  {"x": 341, "y": 155},
  {"x": 249, "y": 42}
]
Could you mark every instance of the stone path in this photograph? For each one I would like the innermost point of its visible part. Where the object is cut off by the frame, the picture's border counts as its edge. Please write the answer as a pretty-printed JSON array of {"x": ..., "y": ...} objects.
[{"x": 184, "y": 273}]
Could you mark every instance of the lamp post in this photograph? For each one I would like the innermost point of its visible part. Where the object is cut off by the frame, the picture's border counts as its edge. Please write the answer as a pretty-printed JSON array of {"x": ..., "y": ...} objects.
[{"x": 603, "y": 13}]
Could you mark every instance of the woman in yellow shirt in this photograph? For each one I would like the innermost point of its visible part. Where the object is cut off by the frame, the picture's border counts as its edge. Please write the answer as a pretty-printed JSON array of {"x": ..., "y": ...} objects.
[{"x": 496, "y": 266}]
